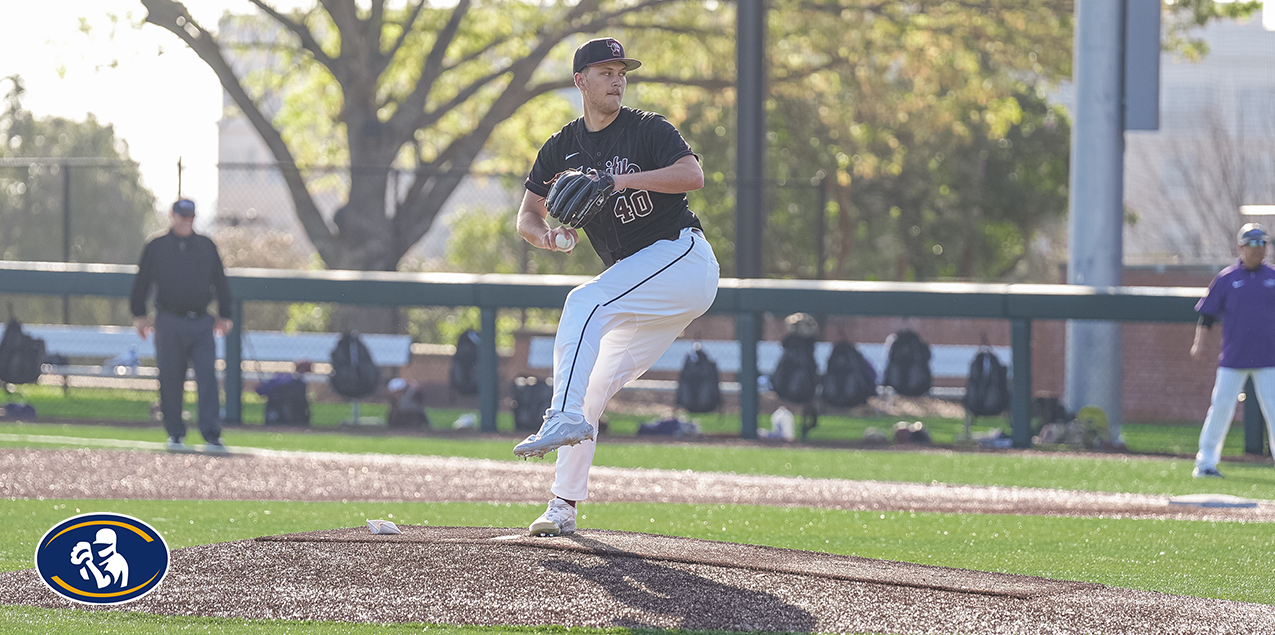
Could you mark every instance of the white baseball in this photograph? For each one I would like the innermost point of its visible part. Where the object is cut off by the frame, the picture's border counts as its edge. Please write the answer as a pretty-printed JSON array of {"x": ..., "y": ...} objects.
[{"x": 564, "y": 242}]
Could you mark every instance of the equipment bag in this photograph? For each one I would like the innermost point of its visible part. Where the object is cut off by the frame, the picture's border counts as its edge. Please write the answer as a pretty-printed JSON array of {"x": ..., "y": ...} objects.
[
  {"x": 698, "y": 388},
  {"x": 532, "y": 397},
  {"x": 287, "y": 404},
  {"x": 463, "y": 375},
  {"x": 20, "y": 355},
  {"x": 987, "y": 389},
  {"x": 908, "y": 370},
  {"x": 850, "y": 379},
  {"x": 354, "y": 373},
  {"x": 797, "y": 374}
]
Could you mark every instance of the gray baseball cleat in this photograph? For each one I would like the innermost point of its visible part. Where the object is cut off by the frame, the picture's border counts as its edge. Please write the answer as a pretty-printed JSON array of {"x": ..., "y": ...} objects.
[
  {"x": 558, "y": 519},
  {"x": 559, "y": 429}
]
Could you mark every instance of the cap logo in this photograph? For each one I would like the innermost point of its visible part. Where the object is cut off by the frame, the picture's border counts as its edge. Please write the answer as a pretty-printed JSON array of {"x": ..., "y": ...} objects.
[{"x": 616, "y": 50}]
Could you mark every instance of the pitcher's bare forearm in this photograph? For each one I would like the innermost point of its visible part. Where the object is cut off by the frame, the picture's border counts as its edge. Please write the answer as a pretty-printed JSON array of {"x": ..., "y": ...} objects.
[
  {"x": 532, "y": 225},
  {"x": 534, "y": 228}
]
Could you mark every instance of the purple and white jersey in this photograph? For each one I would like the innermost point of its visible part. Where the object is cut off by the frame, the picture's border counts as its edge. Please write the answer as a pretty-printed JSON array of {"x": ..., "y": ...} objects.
[{"x": 1245, "y": 302}]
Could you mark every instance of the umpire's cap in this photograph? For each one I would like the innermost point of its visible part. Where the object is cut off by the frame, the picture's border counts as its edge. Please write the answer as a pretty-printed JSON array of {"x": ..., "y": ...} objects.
[
  {"x": 1252, "y": 234},
  {"x": 603, "y": 49},
  {"x": 184, "y": 207}
]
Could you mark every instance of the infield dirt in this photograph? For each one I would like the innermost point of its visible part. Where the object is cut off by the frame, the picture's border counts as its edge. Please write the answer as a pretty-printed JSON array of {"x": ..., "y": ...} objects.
[{"x": 597, "y": 577}]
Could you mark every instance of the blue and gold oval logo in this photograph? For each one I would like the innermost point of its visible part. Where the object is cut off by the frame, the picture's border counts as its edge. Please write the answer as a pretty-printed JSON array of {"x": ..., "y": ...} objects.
[{"x": 102, "y": 558}]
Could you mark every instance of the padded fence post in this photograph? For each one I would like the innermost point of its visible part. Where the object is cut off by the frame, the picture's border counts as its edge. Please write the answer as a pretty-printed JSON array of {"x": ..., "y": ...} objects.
[
  {"x": 1254, "y": 423},
  {"x": 746, "y": 333},
  {"x": 488, "y": 375},
  {"x": 234, "y": 365},
  {"x": 1020, "y": 394}
]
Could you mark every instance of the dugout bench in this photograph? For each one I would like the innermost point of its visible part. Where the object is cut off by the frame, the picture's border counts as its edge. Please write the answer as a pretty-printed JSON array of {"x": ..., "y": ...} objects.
[{"x": 120, "y": 353}]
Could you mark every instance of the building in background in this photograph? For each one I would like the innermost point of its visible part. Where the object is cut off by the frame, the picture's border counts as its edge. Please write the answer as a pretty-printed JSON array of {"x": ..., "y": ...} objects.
[{"x": 1215, "y": 151}]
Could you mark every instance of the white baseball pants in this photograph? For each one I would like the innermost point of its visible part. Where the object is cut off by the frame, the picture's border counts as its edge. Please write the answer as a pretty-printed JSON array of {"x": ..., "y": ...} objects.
[
  {"x": 1226, "y": 393},
  {"x": 615, "y": 326}
]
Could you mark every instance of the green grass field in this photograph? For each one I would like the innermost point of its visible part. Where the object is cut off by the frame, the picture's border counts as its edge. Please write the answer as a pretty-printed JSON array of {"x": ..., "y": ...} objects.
[
  {"x": 95, "y": 404},
  {"x": 1194, "y": 558}
]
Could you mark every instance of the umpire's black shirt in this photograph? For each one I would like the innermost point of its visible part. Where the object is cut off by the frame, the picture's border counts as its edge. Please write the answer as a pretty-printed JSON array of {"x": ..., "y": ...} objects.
[{"x": 186, "y": 271}]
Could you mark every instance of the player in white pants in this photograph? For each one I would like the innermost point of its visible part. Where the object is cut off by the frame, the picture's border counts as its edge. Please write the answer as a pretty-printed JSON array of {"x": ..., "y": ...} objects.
[
  {"x": 661, "y": 272},
  {"x": 1243, "y": 296},
  {"x": 1226, "y": 393},
  {"x": 616, "y": 326}
]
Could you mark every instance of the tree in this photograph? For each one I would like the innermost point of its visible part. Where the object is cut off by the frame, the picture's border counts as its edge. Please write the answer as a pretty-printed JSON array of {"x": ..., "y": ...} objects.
[
  {"x": 428, "y": 88},
  {"x": 886, "y": 103},
  {"x": 110, "y": 208},
  {"x": 928, "y": 123},
  {"x": 419, "y": 86}
]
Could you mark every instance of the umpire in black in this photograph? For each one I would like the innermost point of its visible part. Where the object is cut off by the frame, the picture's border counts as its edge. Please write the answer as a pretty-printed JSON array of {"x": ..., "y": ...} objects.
[{"x": 186, "y": 271}]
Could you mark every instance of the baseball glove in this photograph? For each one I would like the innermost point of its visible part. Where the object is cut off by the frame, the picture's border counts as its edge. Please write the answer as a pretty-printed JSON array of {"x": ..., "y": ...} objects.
[
  {"x": 81, "y": 553},
  {"x": 576, "y": 197}
]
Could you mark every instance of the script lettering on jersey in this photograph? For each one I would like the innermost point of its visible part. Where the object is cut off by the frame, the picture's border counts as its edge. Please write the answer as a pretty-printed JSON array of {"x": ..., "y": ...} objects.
[{"x": 629, "y": 204}]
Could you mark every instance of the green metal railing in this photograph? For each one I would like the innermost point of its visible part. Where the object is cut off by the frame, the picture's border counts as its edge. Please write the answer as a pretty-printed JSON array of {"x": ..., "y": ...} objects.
[{"x": 746, "y": 299}]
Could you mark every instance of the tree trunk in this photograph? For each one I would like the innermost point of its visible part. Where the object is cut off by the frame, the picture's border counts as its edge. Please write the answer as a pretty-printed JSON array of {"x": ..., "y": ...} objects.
[{"x": 365, "y": 236}]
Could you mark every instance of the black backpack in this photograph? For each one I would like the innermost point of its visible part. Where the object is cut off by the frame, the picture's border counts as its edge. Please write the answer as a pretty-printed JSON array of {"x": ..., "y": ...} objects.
[
  {"x": 797, "y": 374},
  {"x": 850, "y": 379},
  {"x": 987, "y": 389},
  {"x": 20, "y": 355},
  {"x": 532, "y": 397},
  {"x": 698, "y": 389},
  {"x": 908, "y": 370},
  {"x": 354, "y": 373},
  {"x": 287, "y": 405},
  {"x": 463, "y": 375}
]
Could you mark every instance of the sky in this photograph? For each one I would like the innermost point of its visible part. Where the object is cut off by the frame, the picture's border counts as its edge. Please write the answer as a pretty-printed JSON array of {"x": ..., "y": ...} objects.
[{"x": 161, "y": 98}]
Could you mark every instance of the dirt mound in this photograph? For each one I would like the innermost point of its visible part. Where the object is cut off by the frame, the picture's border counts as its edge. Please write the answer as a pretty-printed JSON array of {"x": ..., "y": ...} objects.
[{"x": 604, "y": 578}]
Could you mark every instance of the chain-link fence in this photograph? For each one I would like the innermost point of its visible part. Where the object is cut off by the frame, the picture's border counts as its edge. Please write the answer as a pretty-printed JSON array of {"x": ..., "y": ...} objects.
[
  {"x": 257, "y": 224},
  {"x": 256, "y": 207},
  {"x": 73, "y": 210}
]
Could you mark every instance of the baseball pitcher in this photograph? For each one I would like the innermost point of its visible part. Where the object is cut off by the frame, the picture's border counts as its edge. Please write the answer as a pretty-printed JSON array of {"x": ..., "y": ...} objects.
[{"x": 621, "y": 175}]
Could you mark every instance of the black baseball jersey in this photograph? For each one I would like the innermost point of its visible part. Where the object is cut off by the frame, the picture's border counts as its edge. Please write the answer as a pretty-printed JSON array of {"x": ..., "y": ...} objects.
[
  {"x": 186, "y": 271},
  {"x": 636, "y": 141}
]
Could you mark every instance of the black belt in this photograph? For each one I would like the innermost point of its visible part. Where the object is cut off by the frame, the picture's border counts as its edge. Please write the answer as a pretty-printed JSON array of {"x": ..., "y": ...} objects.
[{"x": 189, "y": 315}]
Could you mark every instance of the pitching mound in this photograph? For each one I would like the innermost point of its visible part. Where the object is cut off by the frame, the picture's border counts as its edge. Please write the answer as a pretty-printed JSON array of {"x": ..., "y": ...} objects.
[{"x": 608, "y": 578}]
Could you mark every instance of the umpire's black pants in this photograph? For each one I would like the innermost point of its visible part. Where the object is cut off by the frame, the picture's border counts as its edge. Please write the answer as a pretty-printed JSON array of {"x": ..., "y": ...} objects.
[{"x": 182, "y": 340}]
